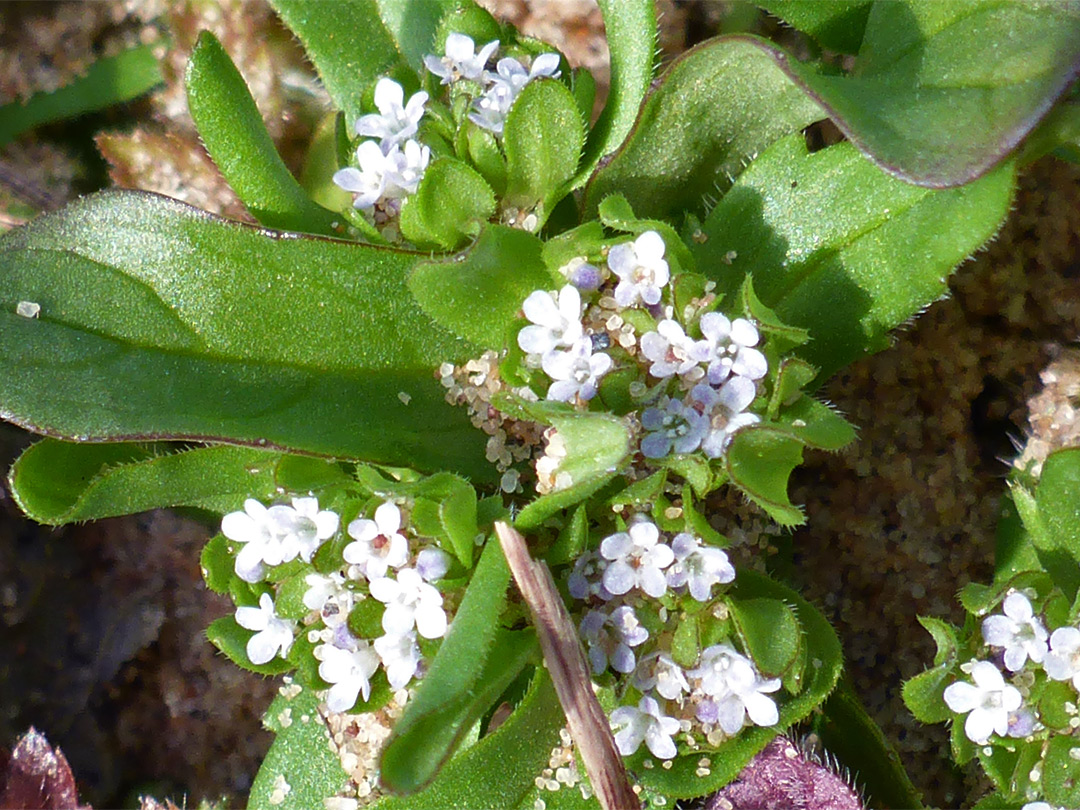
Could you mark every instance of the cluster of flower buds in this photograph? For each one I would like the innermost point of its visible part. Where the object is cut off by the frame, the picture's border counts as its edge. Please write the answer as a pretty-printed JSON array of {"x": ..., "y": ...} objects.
[
  {"x": 630, "y": 576},
  {"x": 377, "y": 564},
  {"x": 992, "y": 704},
  {"x": 716, "y": 375}
]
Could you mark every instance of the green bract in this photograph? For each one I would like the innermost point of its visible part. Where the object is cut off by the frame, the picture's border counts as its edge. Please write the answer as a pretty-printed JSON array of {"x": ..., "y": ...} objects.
[{"x": 496, "y": 310}]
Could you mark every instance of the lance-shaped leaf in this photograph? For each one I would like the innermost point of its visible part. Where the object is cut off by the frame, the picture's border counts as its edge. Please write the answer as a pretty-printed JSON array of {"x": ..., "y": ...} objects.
[
  {"x": 499, "y": 769},
  {"x": 449, "y": 207},
  {"x": 837, "y": 24},
  {"x": 1058, "y": 499},
  {"x": 233, "y": 132},
  {"x": 478, "y": 293},
  {"x": 717, "y": 106},
  {"x": 878, "y": 252},
  {"x": 299, "y": 756},
  {"x": 825, "y": 663},
  {"x": 349, "y": 45},
  {"x": 58, "y": 482},
  {"x": 112, "y": 80},
  {"x": 630, "y": 28},
  {"x": 943, "y": 92},
  {"x": 160, "y": 321}
]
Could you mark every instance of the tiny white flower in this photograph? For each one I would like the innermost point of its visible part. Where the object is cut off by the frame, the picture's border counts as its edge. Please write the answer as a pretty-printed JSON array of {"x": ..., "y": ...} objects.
[
  {"x": 671, "y": 351},
  {"x": 273, "y": 636},
  {"x": 504, "y": 86},
  {"x": 610, "y": 637},
  {"x": 349, "y": 672},
  {"x": 329, "y": 596},
  {"x": 636, "y": 558},
  {"x": 396, "y": 121},
  {"x": 410, "y": 602},
  {"x": 1019, "y": 631},
  {"x": 730, "y": 348},
  {"x": 641, "y": 268},
  {"x": 736, "y": 690},
  {"x": 725, "y": 411},
  {"x": 369, "y": 181},
  {"x": 490, "y": 110},
  {"x": 659, "y": 671},
  {"x": 515, "y": 75},
  {"x": 576, "y": 372},
  {"x": 1040, "y": 806},
  {"x": 378, "y": 545},
  {"x": 675, "y": 425},
  {"x": 554, "y": 323},
  {"x": 461, "y": 61},
  {"x": 432, "y": 564},
  {"x": 276, "y": 535},
  {"x": 700, "y": 567},
  {"x": 400, "y": 656},
  {"x": 990, "y": 701},
  {"x": 1062, "y": 662},
  {"x": 585, "y": 579},
  {"x": 645, "y": 723}
]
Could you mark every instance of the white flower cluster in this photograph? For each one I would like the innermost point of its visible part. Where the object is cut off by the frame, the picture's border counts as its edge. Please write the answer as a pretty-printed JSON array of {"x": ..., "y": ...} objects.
[
  {"x": 391, "y": 167},
  {"x": 374, "y": 565},
  {"x": 717, "y": 374},
  {"x": 995, "y": 706},
  {"x": 629, "y": 572},
  {"x": 500, "y": 88}
]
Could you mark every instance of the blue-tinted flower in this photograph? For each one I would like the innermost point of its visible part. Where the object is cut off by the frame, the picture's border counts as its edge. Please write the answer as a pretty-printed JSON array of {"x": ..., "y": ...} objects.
[
  {"x": 349, "y": 672},
  {"x": 636, "y": 558},
  {"x": 461, "y": 60},
  {"x": 698, "y": 567},
  {"x": 396, "y": 121},
  {"x": 987, "y": 703},
  {"x": 273, "y": 636},
  {"x": 576, "y": 372},
  {"x": 674, "y": 425},
  {"x": 644, "y": 723},
  {"x": 1019, "y": 631},
  {"x": 730, "y": 348},
  {"x": 610, "y": 637},
  {"x": 641, "y": 268}
]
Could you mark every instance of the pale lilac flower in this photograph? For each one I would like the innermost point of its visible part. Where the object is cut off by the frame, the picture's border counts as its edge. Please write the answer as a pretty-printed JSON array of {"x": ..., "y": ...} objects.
[
  {"x": 410, "y": 163},
  {"x": 515, "y": 75},
  {"x": 735, "y": 688},
  {"x": 554, "y": 323},
  {"x": 585, "y": 579},
  {"x": 675, "y": 425},
  {"x": 504, "y": 86},
  {"x": 700, "y": 567},
  {"x": 989, "y": 701},
  {"x": 725, "y": 411},
  {"x": 378, "y": 545},
  {"x": 490, "y": 110},
  {"x": 610, "y": 638},
  {"x": 671, "y": 350},
  {"x": 273, "y": 636},
  {"x": 1041, "y": 806},
  {"x": 276, "y": 535},
  {"x": 730, "y": 348},
  {"x": 636, "y": 558},
  {"x": 432, "y": 564},
  {"x": 641, "y": 268},
  {"x": 461, "y": 61},
  {"x": 396, "y": 121},
  {"x": 582, "y": 275},
  {"x": 645, "y": 723},
  {"x": 370, "y": 180},
  {"x": 328, "y": 595},
  {"x": 1062, "y": 662},
  {"x": 410, "y": 602},
  {"x": 400, "y": 656},
  {"x": 658, "y": 671},
  {"x": 1019, "y": 631},
  {"x": 576, "y": 372},
  {"x": 349, "y": 672}
]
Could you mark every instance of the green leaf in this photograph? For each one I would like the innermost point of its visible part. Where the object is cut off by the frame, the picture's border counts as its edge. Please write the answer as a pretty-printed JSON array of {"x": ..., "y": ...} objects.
[
  {"x": 306, "y": 474},
  {"x": 1058, "y": 498},
  {"x": 478, "y": 293},
  {"x": 848, "y": 733},
  {"x": 108, "y": 81},
  {"x": 461, "y": 683},
  {"x": 499, "y": 769},
  {"x": 770, "y": 633},
  {"x": 349, "y": 45},
  {"x": 837, "y": 24},
  {"x": 817, "y": 425},
  {"x": 825, "y": 661},
  {"x": 923, "y": 694},
  {"x": 923, "y": 67},
  {"x": 299, "y": 755},
  {"x": 233, "y": 132},
  {"x": 878, "y": 253},
  {"x": 759, "y": 461},
  {"x": 1052, "y": 705},
  {"x": 631, "y": 33},
  {"x": 57, "y": 482},
  {"x": 944, "y": 638},
  {"x": 217, "y": 564},
  {"x": 161, "y": 321},
  {"x": 717, "y": 106},
  {"x": 449, "y": 207},
  {"x": 543, "y": 138},
  {"x": 232, "y": 639},
  {"x": 413, "y": 24},
  {"x": 1061, "y": 772}
]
